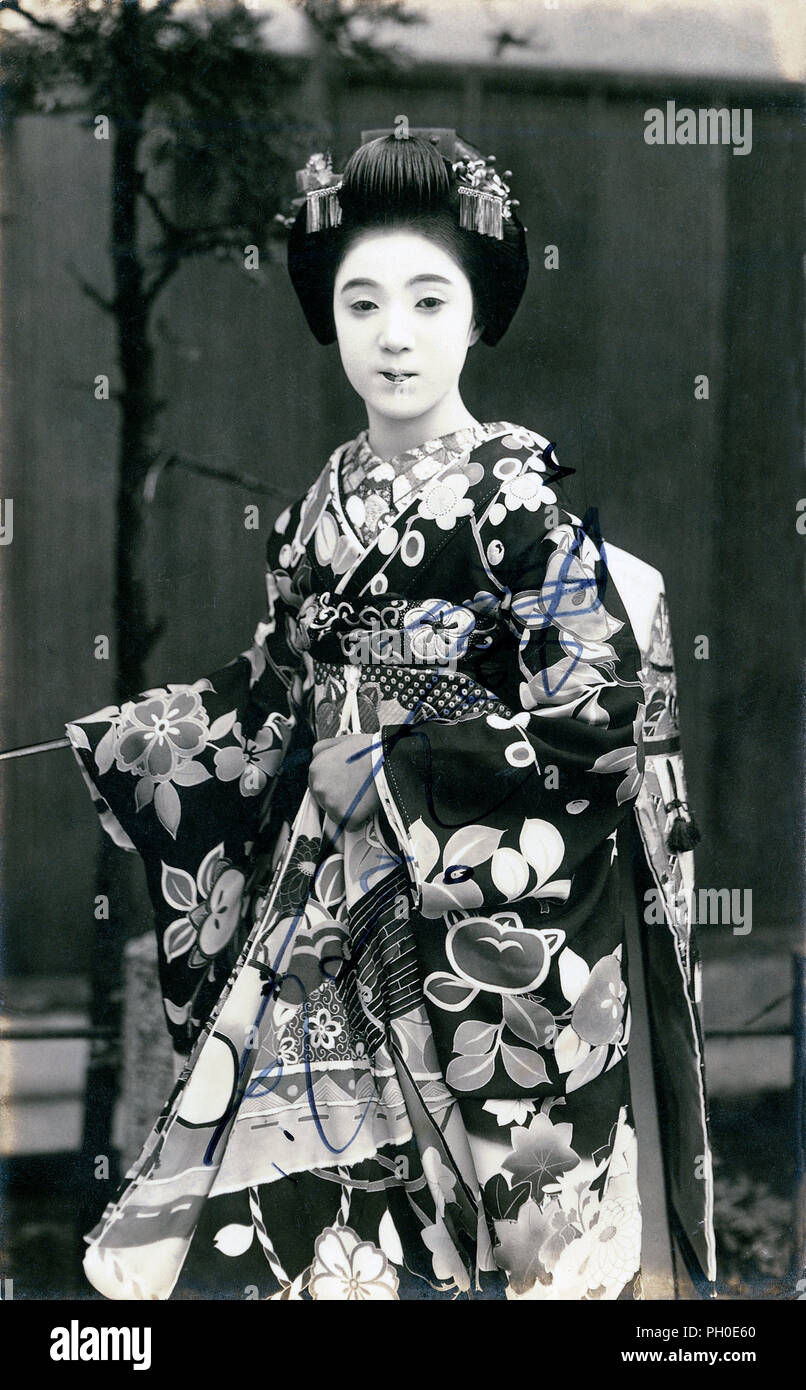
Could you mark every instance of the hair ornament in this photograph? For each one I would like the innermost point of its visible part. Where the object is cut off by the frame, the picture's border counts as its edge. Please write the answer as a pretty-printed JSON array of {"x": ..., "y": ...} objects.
[
  {"x": 427, "y": 176},
  {"x": 324, "y": 208},
  {"x": 319, "y": 185},
  {"x": 484, "y": 199}
]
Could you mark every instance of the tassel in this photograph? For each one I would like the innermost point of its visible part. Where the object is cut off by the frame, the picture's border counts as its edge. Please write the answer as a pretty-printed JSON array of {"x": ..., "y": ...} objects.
[
  {"x": 323, "y": 208},
  {"x": 684, "y": 834},
  {"x": 272, "y": 981},
  {"x": 481, "y": 212}
]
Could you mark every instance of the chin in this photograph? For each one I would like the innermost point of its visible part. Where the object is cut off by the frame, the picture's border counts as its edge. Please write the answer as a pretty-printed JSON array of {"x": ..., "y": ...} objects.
[
  {"x": 417, "y": 397},
  {"x": 401, "y": 409}
]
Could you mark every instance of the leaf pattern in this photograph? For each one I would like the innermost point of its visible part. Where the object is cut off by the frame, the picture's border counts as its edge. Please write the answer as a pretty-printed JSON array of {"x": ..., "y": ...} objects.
[
  {"x": 469, "y": 1073},
  {"x": 529, "y": 1021},
  {"x": 526, "y": 1068},
  {"x": 474, "y": 1039},
  {"x": 408, "y": 998}
]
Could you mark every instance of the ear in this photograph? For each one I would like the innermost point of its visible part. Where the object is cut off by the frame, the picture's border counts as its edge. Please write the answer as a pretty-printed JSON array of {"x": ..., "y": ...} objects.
[{"x": 476, "y": 330}]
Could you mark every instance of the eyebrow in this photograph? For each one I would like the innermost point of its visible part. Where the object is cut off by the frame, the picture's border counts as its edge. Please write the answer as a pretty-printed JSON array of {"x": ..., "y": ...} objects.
[{"x": 415, "y": 280}]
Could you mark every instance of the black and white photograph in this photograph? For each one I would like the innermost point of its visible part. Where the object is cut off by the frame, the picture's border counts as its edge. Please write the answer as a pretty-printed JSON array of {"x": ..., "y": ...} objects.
[{"x": 402, "y": 534}]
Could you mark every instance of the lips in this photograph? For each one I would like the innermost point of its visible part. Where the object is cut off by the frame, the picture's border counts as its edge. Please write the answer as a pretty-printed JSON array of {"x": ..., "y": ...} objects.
[{"x": 397, "y": 376}]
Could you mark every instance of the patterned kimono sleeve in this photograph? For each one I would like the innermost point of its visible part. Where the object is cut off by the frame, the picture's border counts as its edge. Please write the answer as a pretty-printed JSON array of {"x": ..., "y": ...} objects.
[
  {"x": 496, "y": 807},
  {"x": 184, "y": 774},
  {"x": 662, "y": 809}
]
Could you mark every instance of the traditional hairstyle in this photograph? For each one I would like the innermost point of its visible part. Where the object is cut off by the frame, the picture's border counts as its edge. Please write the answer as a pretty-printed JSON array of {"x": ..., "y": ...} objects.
[{"x": 392, "y": 181}]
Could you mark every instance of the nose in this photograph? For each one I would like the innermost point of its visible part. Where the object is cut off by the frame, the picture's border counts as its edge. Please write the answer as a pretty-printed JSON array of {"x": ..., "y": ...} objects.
[{"x": 395, "y": 333}]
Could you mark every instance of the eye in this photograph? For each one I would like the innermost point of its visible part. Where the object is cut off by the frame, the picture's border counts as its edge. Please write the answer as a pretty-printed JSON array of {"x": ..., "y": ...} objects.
[
  {"x": 431, "y": 301},
  {"x": 363, "y": 304}
]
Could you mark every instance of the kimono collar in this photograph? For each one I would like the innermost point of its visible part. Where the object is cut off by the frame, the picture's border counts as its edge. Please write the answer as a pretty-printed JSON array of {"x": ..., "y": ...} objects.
[
  {"x": 362, "y": 455},
  {"x": 339, "y": 551},
  {"x": 373, "y": 490}
]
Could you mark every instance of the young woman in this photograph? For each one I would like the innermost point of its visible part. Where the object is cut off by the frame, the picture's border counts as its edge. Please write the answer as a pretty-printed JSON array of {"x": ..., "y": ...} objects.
[{"x": 381, "y": 843}]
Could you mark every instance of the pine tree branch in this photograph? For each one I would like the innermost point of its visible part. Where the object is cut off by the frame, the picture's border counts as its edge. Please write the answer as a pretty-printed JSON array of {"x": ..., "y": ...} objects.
[
  {"x": 177, "y": 238},
  {"x": 108, "y": 305},
  {"x": 205, "y": 470},
  {"x": 161, "y": 279},
  {"x": 167, "y": 225},
  {"x": 184, "y": 251}
]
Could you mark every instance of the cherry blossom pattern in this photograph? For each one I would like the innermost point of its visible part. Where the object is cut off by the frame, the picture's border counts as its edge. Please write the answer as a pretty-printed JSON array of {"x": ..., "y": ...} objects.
[
  {"x": 210, "y": 905},
  {"x": 444, "y": 501},
  {"x": 157, "y": 739},
  {"x": 323, "y": 1030},
  {"x": 348, "y": 1269},
  {"x": 251, "y": 760},
  {"x": 550, "y": 1217},
  {"x": 527, "y": 490},
  {"x": 159, "y": 735},
  {"x": 287, "y": 1049},
  {"x": 519, "y": 437},
  {"x": 438, "y": 631}
]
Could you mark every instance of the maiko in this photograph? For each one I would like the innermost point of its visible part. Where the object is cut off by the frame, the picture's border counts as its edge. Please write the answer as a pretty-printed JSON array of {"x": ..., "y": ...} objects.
[{"x": 102, "y": 1344}]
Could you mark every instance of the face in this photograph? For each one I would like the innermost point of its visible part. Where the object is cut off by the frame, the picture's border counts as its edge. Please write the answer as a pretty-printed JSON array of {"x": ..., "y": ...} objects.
[{"x": 403, "y": 310}]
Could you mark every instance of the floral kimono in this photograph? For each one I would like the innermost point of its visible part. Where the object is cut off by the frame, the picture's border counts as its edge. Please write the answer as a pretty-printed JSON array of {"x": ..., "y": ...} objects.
[{"x": 405, "y": 1045}]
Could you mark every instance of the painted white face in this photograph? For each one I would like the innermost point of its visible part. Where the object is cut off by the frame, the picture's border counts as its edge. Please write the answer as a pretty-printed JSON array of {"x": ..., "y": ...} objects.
[{"x": 403, "y": 310}]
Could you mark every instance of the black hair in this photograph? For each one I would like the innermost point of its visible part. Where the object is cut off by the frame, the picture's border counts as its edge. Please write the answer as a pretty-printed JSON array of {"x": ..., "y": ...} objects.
[{"x": 391, "y": 182}]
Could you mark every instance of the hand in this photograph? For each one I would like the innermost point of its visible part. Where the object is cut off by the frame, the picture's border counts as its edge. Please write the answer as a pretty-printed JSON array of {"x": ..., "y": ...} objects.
[{"x": 343, "y": 783}]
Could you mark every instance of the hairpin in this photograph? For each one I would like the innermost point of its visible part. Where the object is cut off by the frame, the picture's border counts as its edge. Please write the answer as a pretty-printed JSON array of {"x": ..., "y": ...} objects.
[
  {"x": 319, "y": 185},
  {"x": 484, "y": 199}
]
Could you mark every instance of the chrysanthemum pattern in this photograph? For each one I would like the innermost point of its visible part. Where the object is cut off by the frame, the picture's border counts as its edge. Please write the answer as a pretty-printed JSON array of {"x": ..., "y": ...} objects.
[{"x": 422, "y": 1011}]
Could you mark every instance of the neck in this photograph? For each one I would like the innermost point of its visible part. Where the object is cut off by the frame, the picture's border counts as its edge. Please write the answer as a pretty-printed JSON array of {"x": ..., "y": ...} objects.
[{"x": 388, "y": 437}]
